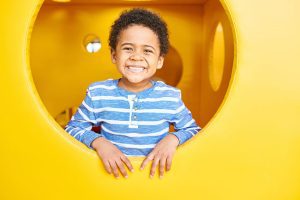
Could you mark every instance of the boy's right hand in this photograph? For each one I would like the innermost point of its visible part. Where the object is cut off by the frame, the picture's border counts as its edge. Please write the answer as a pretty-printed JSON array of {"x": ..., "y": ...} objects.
[{"x": 111, "y": 157}]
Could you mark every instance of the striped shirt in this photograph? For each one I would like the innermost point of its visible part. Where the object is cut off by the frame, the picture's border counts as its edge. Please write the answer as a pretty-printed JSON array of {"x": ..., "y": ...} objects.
[{"x": 134, "y": 122}]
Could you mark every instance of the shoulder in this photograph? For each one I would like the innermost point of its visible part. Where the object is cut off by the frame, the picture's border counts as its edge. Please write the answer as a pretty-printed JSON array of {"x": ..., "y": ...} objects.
[
  {"x": 163, "y": 88},
  {"x": 96, "y": 88},
  {"x": 108, "y": 84}
]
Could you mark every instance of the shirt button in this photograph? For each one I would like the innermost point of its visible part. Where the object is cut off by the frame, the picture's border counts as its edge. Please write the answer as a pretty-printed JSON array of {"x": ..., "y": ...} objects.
[
  {"x": 135, "y": 108},
  {"x": 134, "y": 117}
]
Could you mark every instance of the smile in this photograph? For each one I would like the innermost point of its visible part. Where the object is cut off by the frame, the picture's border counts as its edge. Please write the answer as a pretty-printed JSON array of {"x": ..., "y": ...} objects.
[{"x": 135, "y": 69}]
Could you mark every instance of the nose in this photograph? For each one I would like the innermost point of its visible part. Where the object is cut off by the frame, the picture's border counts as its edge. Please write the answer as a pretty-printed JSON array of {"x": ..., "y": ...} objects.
[{"x": 136, "y": 56}]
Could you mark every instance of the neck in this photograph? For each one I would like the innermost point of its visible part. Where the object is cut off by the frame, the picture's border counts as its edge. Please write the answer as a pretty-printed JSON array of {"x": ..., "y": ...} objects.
[{"x": 134, "y": 87}]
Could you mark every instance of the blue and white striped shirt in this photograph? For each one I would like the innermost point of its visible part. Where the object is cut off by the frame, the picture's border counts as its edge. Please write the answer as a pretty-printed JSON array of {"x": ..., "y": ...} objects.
[{"x": 134, "y": 122}]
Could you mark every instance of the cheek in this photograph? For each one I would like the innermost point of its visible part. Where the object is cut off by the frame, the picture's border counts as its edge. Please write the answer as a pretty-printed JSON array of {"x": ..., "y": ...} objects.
[
  {"x": 124, "y": 58},
  {"x": 121, "y": 60},
  {"x": 151, "y": 59},
  {"x": 154, "y": 62}
]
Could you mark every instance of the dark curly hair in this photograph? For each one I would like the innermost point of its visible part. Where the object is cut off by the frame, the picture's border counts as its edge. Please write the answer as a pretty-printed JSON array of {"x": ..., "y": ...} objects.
[{"x": 142, "y": 17}]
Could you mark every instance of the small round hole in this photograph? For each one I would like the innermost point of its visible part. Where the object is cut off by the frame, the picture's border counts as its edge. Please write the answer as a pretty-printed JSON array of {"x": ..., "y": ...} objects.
[{"x": 92, "y": 43}]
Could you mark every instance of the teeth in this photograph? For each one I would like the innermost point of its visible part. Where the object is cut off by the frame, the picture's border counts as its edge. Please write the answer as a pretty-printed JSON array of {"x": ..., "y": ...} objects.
[{"x": 135, "y": 69}]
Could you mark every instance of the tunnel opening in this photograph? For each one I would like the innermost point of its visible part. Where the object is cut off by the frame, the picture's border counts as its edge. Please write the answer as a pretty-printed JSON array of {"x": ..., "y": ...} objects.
[{"x": 200, "y": 61}]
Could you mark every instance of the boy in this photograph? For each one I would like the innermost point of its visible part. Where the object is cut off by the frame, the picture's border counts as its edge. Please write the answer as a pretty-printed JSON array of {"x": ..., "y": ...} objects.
[{"x": 134, "y": 112}]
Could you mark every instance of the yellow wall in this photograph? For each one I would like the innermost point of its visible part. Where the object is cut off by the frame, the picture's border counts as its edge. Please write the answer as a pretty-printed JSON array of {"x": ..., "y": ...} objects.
[{"x": 250, "y": 150}]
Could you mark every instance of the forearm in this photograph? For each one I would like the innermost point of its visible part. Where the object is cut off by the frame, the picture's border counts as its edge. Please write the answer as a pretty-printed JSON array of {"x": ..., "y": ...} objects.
[
  {"x": 96, "y": 143},
  {"x": 83, "y": 135},
  {"x": 186, "y": 128},
  {"x": 185, "y": 134}
]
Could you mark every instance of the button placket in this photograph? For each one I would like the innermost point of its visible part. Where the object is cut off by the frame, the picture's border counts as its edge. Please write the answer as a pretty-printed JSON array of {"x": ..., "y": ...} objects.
[
  {"x": 132, "y": 99},
  {"x": 134, "y": 121}
]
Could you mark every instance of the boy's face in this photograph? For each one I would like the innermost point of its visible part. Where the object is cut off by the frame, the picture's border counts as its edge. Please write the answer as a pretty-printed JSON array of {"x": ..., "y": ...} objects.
[{"x": 137, "y": 54}]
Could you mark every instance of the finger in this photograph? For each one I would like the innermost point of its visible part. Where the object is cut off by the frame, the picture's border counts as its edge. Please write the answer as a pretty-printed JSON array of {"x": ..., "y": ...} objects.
[
  {"x": 122, "y": 168},
  {"x": 162, "y": 165},
  {"x": 154, "y": 165},
  {"x": 127, "y": 162},
  {"x": 169, "y": 163},
  {"x": 114, "y": 168},
  {"x": 107, "y": 166},
  {"x": 147, "y": 159}
]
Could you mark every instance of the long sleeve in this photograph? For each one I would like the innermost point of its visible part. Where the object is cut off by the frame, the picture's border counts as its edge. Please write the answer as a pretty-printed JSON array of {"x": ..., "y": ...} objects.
[
  {"x": 184, "y": 124},
  {"x": 80, "y": 125}
]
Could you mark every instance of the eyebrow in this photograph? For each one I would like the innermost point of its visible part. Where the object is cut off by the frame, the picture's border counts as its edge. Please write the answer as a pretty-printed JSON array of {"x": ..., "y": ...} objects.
[{"x": 128, "y": 43}]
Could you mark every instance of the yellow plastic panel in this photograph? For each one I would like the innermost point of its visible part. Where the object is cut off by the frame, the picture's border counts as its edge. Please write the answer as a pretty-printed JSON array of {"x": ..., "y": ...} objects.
[{"x": 250, "y": 150}]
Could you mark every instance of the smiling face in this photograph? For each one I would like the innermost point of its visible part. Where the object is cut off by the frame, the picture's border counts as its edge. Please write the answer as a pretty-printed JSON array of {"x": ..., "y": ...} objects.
[{"x": 137, "y": 56}]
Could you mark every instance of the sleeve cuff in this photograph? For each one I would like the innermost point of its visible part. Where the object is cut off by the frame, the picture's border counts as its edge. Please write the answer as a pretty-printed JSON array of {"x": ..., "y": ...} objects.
[
  {"x": 179, "y": 137},
  {"x": 183, "y": 136},
  {"x": 89, "y": 137}
]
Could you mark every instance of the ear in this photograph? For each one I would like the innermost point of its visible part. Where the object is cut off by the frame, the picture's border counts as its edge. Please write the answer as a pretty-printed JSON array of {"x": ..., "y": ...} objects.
[
  {"x": 160, "y": 62},
  {"x": 113, "y": 56}
]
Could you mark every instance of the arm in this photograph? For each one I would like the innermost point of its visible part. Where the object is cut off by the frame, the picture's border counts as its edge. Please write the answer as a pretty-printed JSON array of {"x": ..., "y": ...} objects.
[
  {"x": 162, "y": 155},
  {"x": 80, "y": 125},
  {"x": 184, "y": 124}
]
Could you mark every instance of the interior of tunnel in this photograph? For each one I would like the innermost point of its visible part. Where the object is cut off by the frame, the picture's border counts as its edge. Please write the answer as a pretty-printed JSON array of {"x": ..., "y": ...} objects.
[{"x": 200, "y": 61}]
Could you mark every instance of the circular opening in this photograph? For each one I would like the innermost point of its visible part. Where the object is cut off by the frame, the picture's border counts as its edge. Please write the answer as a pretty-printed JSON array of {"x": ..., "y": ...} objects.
[
  {"x": 92, "y": 43},
  {"x": 196, "y": 64}
]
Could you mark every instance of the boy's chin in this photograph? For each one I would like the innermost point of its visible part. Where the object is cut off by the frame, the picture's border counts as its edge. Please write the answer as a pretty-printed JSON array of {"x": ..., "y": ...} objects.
[{"x": 137, "y": 80}]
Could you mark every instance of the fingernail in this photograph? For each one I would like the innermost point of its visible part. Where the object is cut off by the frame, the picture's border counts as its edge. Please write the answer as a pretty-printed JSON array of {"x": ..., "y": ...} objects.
[
  {"x": 126, "y": 176},
  {"x": 132, "y": 170},
  {"x": 151, "y": 176},
  {"x": 117, "y": 177},
  {"x": 160, "y": 176},
  {"x": 141, "y": 168}
]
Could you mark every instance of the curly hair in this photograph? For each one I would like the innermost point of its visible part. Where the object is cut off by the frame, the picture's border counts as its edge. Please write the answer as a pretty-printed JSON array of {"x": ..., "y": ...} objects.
[{"x": 142, "y": 17}]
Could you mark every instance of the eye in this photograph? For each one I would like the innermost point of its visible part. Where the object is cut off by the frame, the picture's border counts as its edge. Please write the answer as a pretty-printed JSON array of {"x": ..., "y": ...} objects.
[
  {"x": 127, "y": 48},
  {"x": 148, "y": 51}
]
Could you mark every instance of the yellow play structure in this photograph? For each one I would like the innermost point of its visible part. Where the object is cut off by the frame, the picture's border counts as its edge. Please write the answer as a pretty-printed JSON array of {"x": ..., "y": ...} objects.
[{"x": 236, "y": 62}]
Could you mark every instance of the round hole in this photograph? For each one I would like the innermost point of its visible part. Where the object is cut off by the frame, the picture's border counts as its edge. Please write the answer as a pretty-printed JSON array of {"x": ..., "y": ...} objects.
[
  {"x": 195, "y": 63},
  {"x": 92, "y": 43}
]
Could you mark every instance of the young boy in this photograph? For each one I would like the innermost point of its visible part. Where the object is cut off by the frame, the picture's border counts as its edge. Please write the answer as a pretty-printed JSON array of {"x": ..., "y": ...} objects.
[{"x": 134, "y": 112}]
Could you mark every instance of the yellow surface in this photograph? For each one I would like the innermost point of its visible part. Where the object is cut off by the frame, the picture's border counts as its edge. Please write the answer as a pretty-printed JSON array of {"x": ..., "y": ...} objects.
[{"x": 249, "y": 150}]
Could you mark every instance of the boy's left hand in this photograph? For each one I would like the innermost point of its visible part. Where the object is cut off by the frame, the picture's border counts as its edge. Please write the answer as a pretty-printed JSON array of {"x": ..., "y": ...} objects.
[{"x": 162, "y": 154}]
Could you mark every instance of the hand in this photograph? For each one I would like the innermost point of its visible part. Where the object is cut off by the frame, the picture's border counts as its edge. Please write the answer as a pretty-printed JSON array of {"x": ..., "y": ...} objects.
[
  {"x": 111, "y": 157},
  {"x": 162, "y": 154}
]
